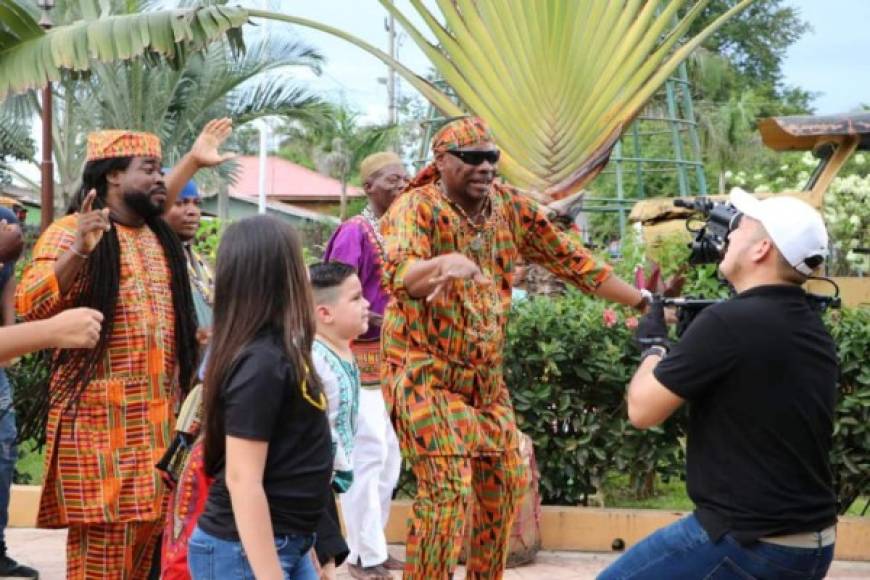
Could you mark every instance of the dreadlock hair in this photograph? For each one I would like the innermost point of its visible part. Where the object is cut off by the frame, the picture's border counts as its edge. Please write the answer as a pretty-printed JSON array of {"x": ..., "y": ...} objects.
[{"x": 99, "y": 287}]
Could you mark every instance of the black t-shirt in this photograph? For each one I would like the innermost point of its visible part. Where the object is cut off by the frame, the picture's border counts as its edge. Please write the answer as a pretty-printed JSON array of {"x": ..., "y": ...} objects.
[
  {"x": 760, "y": 375},
  {"x": 262, "y": 400}
]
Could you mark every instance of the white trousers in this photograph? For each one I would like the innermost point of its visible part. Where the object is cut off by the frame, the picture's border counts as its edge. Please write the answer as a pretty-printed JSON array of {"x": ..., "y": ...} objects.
[{"x": 376, "y": 465}]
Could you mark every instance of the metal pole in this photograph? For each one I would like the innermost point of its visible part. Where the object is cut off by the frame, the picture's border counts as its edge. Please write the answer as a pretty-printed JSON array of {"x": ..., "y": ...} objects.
[
  {"x": 47, "y": 189},
  {"x": 641, "y": 193},
  {"x": 261, "y": 205},
  {"x": 617, "y": 157},
  {"x": 391, "y": 76},
  {"x": 694, "y": 140},
  {"x": 47, "y": 195},
  {"x": 682, "y": 181},
  {"x": 223, "y": 201}
]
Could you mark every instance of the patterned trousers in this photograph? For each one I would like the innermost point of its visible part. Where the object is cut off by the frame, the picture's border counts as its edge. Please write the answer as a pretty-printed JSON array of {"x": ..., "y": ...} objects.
[
  {"x": 111, "y": 551},
  {"x": 444, "y": 485}
]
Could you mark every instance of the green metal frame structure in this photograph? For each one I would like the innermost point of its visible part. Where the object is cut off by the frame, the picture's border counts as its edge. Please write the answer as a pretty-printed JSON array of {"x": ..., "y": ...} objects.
[{"x": 679, "y": 122}]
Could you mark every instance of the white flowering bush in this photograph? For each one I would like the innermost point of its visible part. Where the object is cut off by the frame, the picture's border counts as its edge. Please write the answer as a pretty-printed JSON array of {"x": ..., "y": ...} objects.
[{"x": 847, "y": 215}]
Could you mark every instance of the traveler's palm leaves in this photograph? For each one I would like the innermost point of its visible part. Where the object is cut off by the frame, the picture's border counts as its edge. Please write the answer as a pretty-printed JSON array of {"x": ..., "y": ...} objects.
[{"x": 558, "y": 80}]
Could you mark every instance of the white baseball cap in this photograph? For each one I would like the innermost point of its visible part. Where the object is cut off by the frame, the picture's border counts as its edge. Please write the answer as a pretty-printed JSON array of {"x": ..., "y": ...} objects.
[{"x": 797, "y": 230}]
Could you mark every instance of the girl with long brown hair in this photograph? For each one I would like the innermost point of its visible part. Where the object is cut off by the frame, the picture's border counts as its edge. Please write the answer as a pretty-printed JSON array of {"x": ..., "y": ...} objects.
[{"x": 267, "y": 439}]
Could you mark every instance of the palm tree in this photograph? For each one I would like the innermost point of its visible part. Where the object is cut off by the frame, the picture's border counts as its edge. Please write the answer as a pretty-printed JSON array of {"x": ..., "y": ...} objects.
[
  {"x": 176, "y": 102},
  {"x": 336, "y": 144},
  {"x": 15, "y": 143},
  {"x": 557, "y": 80}
]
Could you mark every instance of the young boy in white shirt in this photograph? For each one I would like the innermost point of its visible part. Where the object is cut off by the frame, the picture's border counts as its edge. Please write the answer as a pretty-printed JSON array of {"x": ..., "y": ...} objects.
[{"x": 342, "y": 315}]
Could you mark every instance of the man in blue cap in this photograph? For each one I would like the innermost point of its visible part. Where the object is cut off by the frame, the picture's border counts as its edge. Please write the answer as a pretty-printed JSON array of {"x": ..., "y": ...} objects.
[{"x": 184, "y": 218}]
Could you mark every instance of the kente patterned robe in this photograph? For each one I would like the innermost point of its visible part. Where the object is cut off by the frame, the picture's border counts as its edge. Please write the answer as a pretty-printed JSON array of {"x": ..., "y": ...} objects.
[
  {"x": 443, "y": 374},
  {"x": 100, "y": 468}
]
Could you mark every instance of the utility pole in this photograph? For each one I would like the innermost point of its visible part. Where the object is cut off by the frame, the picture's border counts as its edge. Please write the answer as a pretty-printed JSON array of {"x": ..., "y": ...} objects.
[
  {"x": 46, "y": 209},
  {"x": 390, "y": 25}
]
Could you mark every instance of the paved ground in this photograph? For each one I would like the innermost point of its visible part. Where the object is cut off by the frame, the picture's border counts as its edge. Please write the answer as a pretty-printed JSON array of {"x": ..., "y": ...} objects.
[{"x": 44, "y": 549}]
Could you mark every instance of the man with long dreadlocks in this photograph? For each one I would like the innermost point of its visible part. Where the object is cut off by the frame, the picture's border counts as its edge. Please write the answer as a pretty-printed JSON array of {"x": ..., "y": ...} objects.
[
  {"x": 110, "y": 409},
  {"x": 453, "y": 241}
]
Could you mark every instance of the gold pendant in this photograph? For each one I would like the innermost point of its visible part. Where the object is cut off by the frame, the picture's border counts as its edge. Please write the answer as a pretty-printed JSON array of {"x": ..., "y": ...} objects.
[{"x": 476, "y": 243}]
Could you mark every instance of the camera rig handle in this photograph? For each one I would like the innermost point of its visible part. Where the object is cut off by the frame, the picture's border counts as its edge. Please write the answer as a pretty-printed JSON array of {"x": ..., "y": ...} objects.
[{"x": 689, "y": 308}]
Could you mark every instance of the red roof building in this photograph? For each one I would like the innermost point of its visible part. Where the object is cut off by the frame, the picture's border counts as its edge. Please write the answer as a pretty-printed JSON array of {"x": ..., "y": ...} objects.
[{"x": 287, "y": 182}]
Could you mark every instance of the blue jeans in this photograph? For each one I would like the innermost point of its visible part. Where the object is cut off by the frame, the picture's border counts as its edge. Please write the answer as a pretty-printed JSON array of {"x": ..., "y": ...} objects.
[
  {"x": 211, "y": 558},
  {"x": 683, "y": 550},
  {"x": 8, "y": 451}
]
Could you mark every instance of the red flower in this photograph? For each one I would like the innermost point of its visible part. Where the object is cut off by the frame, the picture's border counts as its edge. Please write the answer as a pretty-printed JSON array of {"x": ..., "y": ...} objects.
[
  {"x": 609, "y": 317},
  {"x": 631, "y": 322}
]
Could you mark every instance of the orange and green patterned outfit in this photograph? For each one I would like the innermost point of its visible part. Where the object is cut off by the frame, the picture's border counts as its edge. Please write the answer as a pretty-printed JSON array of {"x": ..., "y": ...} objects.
[
  {"x": 100, "y": 479},
  {"x": 443, "y": 378}
]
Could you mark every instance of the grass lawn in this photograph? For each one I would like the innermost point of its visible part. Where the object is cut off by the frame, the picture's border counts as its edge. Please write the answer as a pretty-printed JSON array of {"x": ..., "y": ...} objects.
[{"x": 672, "y": 496}]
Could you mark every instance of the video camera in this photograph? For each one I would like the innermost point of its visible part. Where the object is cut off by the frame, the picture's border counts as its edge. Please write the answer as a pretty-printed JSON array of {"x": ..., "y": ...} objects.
[
  {"x": 708, "y": 247},
  {"x": 711, "y": 239}
]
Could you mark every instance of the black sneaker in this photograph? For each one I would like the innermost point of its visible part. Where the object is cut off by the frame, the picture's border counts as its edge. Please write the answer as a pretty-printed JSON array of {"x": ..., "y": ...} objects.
[{"x": 9, "y": 568}]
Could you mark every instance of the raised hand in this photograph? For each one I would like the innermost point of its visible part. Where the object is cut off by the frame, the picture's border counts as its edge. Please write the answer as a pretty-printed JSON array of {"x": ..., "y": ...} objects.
[
  {"x": 92, "y": 225},
  {"x": 76, "y": 328},
  {"x": 205, "y": 149},
  {"x": 455, "y": 267}
]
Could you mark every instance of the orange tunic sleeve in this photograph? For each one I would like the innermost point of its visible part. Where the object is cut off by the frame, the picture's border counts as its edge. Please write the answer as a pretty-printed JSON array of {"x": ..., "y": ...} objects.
[
  {"x": 38, "y": 294},
  {"x": 543, "y": 243},
  {"x": 407, "y": 228}
]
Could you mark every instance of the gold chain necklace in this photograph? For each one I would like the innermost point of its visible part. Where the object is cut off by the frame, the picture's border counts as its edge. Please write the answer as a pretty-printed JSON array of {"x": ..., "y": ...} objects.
[{"x": 476, "y": 243}]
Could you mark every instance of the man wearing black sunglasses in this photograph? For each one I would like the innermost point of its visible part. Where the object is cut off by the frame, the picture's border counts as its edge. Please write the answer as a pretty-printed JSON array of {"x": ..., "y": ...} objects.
[{"x": 453, "y": 243}]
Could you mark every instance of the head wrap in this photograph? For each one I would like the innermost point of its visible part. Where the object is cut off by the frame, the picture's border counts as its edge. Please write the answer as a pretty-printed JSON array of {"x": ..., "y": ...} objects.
[
  {"x": 190, "y": 191},
  {"x": 114, "y": 143},
  {"x": 459, "y": 133},
  {"x": 377, "y": 161}
]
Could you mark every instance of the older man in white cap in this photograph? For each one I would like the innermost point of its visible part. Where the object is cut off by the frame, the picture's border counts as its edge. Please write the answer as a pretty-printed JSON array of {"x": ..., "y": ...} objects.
[
  {"x": 759, "y": 372},
  {"x": 376, "y": 456}
]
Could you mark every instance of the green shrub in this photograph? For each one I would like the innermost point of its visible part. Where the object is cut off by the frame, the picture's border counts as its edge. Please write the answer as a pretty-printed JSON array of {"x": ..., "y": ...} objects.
[
  {"x": 28, "y": 378},
  {"x": 567, "y": 363},
  {"x": 851, "y": 455},
  {"x": 208, "y": 236}
]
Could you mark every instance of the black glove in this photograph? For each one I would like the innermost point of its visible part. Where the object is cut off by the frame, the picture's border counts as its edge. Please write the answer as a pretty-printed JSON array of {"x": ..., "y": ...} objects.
[{"x": 652, "y": 330}]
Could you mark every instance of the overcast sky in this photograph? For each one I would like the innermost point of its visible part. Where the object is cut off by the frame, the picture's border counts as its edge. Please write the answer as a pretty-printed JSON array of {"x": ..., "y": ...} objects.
[{"x": 832, "y": 60}]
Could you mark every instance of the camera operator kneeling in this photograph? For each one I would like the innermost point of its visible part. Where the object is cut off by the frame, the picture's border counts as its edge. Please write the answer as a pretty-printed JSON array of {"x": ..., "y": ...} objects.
[{"x": 760, "y": 373}]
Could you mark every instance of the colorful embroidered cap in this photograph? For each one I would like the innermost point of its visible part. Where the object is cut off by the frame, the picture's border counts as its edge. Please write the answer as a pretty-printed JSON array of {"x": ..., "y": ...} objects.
[
  {"x": 377, "y": 161},
  {"x": 115, "y": 143},
  {"x": 461, "y": 133}
]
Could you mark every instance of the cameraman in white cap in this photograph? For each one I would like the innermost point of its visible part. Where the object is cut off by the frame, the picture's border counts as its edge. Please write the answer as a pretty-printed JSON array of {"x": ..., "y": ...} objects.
[{"x": 759, "y": 372}]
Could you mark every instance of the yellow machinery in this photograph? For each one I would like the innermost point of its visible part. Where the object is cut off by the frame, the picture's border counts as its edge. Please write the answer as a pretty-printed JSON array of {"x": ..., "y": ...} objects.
[{"x": 833, "y": 139}]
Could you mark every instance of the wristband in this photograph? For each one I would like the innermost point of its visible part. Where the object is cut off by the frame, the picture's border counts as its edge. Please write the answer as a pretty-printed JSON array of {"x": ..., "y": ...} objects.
[
  {"x": 645, "y": 298},
  {"x": 77, "y": 253},
  {"x": 656, "y": 349}
]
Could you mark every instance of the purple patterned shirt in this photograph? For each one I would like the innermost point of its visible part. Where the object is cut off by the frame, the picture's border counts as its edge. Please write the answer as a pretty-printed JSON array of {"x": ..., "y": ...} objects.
[{"x": 354, "y": 243}]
